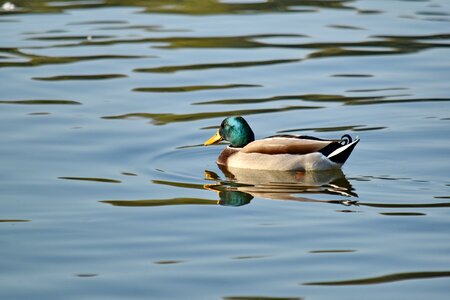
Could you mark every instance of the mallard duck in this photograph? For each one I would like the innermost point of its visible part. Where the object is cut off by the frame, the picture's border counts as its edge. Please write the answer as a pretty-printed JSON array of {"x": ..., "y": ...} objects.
[{"x": 278, "y": 152}]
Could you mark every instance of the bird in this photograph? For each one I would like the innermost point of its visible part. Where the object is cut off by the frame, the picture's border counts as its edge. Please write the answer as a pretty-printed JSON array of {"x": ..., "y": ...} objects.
[{"x": 278, "y": 152}]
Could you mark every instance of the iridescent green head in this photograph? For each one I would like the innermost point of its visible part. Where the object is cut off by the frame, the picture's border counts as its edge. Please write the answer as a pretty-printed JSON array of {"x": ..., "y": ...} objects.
[{"x": 234, "y": 130}]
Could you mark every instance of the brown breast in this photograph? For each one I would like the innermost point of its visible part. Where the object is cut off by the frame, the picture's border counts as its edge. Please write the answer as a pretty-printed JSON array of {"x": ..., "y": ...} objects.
[{"x": 226, "y": 153}]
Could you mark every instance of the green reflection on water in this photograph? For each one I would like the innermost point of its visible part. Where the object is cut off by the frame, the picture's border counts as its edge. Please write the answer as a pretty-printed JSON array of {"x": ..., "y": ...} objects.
[
  {"x": 382, "y": 45},
  {"x": 301, "y": 97},
  {"x": 192, "y": 7},
  {"x": 346, "y": 100},
  {"x": 210, "y": 42},
  {"x": 387, "y": 45},
  {"x": 35, "y": 60},
  {"x": 165, "y": 118}
]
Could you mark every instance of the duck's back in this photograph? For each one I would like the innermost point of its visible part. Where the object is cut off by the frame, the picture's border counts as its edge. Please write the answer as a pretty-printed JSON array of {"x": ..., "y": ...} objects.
[{"x": 296, "y": 145}]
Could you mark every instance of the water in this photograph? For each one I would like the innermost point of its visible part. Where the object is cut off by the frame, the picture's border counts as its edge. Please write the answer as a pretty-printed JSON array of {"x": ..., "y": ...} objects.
[{"x": 107, "y": 193}]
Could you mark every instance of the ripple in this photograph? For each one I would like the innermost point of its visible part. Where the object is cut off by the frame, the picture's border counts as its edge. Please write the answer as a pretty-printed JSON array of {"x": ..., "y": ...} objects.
[
  {"x": 148, "y": 28},
  {"x": 331, "y": 251},
  {"x": 249, "y": 257},
  {"x": 242, "y": 1},
  {"x": 385, "y": 46},
  {"x": 370, "y": 11},
  {"x": 9, "y": 20},
  {"x": 34, "y": 60},
  {"x": 377, "y": 90},
  {"x": 405, "y": 205},
  {"x": 353, "y": 75},
  {"x": 182, "y": 42},
  {"x": 304, "y": 97},
  {"x": 383, "y": 100},
  {"x": 43, "y": 113},
  {"x": 92, "y": 179},
  {"x": 86, "y": 275},
  {"x": 385, "y": 279},
  {"x": 168, "y": 262},
  {"x": 69, "y": 37},
  {"x": 260, "y": 298},
  {"x": 336, "y": 51},
  {"x": 40, "y": 102},
  {"x": 402, "y": 214},
  {"x": 433, "y": 13},
  {"x": 192, "y": 88},
  {"x": 439, "y": 37},
  {"x": 179, "y": 184},
  {"x": 129, "y": 174},
  {"x": 196, "y": 67},
  {"x": 160, "y": 202},
  {"x": 46, "y": 32},
  {"x": 436, "y": 19},
  {"x": 99, "y": 22},
  {"x": 81, "y": 77},
  {"x": 338, "y": 26},
  {"x": 13, "y": 221},
  {"x": 75, "y": 3},
  {"x": 335, "y": 128}
]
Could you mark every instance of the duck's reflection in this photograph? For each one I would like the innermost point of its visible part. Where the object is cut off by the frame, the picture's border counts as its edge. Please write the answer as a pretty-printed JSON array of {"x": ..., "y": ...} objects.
[
  {"x": 234, "y": 198},
  {"x": 242, "y": 185}
]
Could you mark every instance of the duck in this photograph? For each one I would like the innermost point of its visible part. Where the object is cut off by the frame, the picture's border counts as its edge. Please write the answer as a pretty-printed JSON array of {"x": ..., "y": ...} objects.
[{"x": 283, "y": 152}]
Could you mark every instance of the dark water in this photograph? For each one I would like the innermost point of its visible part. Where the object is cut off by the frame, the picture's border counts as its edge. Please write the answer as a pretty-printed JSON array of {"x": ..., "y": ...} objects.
[{"x": 107, "y": 193}]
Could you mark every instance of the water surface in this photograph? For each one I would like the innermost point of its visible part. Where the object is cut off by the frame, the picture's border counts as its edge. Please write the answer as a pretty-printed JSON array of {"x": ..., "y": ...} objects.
[{"x": 107, "y": 192}]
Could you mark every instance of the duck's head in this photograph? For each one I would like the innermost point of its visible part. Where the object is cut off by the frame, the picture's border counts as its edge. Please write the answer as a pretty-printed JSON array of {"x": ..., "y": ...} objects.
[{"x": 234, "y": 130}]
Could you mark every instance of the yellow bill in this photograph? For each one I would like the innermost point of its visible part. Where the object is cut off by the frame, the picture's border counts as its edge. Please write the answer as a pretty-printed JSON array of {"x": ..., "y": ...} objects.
[{"x": 214, "y": 139}]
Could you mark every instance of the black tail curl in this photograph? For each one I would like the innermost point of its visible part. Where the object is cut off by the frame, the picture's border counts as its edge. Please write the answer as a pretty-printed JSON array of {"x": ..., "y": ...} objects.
[{"x": 345, "y": 140}]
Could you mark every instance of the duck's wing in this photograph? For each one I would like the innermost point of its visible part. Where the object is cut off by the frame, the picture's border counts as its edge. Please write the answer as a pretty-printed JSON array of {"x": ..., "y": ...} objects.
[{"x": 290, "y": 144}]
